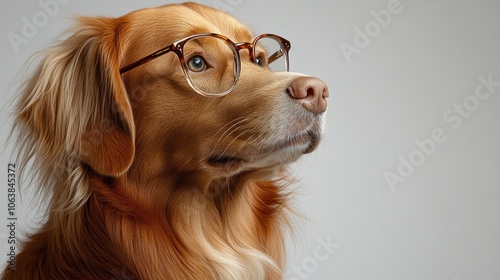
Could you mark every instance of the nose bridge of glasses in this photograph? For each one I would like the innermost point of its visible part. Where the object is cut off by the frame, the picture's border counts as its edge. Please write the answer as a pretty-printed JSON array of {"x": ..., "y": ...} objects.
[{"x": 246, "y": 45}]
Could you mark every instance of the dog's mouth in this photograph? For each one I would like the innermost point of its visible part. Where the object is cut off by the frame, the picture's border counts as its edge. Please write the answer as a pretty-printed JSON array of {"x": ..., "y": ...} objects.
[
  {"x": 225, "y": 160},
  {"x": 313, "y": 143}
]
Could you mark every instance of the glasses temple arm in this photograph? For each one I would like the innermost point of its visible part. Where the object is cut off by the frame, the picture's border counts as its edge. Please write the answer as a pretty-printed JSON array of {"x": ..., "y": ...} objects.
[
  {"x": 145, "y": 59},
  {"x": 275, "y": 56}
]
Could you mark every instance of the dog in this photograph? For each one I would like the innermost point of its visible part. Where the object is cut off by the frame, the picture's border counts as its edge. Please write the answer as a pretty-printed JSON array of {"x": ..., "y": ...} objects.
[{"x": 160, "y": 141}]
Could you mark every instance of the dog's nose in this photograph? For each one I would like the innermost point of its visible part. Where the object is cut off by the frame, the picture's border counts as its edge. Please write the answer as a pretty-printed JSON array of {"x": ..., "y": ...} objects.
[{"x": 311, "y": 93}]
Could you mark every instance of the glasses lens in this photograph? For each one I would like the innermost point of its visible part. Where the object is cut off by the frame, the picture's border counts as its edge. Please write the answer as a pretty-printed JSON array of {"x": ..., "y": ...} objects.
[
  {"x": 271, "y": 53},
  {"x": 211, "y": 65}
]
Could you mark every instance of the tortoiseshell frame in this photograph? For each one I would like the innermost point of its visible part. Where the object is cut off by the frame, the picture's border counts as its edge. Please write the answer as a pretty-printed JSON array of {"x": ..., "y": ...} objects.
[{"x": 177, "y": 48}]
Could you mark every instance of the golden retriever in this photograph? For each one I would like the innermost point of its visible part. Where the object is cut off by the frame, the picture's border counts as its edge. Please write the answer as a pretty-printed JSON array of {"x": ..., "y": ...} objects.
[{"x": 150, "y": 175}]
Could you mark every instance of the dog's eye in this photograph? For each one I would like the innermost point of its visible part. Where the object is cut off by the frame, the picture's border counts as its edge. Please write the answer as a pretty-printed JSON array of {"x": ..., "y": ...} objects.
[
  {"x": 197, "y": 64},
  {"x": 259, "y": 61}
]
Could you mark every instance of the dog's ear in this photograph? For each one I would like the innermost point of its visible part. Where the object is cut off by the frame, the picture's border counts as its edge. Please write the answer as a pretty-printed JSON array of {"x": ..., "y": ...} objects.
[{"x": 76, "y": 101}]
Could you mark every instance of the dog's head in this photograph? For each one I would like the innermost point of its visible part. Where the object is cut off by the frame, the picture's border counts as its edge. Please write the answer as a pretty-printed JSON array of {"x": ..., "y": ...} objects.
[
  {"x": 109, "y": 97},
  {"x": 269, "y": 118}
]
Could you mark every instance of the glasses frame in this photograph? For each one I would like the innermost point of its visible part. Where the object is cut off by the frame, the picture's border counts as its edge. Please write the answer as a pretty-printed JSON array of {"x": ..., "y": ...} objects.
[{"x": 177, "y": 48}]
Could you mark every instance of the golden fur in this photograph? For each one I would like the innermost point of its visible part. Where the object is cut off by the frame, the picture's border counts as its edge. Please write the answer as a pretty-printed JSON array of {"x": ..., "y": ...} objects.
[{"x": 124, "y": 159}]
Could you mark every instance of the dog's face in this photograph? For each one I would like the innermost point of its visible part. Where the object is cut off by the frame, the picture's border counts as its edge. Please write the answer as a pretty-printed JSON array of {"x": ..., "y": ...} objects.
[{"x": 260, "y": 124}]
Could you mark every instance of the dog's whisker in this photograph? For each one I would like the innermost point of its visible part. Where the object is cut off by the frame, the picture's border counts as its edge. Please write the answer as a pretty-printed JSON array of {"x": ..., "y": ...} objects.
[
  {"x": 227, "y": 124},
  {"x": 258, "y": 138},
  {"x": 227, "y": 133},
  {"x": 232, "y": 141},
  {"x": 182, "y": 165},
  {"x": 242, "y": 145}
]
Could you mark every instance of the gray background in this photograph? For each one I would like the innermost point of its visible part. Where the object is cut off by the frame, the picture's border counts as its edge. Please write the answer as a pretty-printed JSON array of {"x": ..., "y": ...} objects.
[{"x": 443, "y": 221}]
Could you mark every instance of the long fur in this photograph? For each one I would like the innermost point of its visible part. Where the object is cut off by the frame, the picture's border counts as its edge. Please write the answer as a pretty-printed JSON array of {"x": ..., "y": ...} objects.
[{"x": 114, "y": 211}]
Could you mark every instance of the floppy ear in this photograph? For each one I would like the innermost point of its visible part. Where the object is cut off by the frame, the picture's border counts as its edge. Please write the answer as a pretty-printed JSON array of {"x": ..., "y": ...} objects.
[{"x": 76, "y": 102}]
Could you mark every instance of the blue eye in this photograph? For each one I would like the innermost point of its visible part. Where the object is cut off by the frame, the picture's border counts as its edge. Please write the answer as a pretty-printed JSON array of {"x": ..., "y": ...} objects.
[
  {"x": 196, "y": 64},
  {"x": 259, "y": 61}
]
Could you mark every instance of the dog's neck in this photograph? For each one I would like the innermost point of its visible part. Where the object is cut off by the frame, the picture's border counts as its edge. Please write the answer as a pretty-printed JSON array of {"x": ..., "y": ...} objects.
[
  {"x": 235, "y": 233},
  {"x": 214, "y": 222}
]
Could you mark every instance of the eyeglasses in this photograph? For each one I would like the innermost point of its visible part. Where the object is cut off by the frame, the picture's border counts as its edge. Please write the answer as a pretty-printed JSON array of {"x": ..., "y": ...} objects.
[{"x": 204, "y": 59}]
